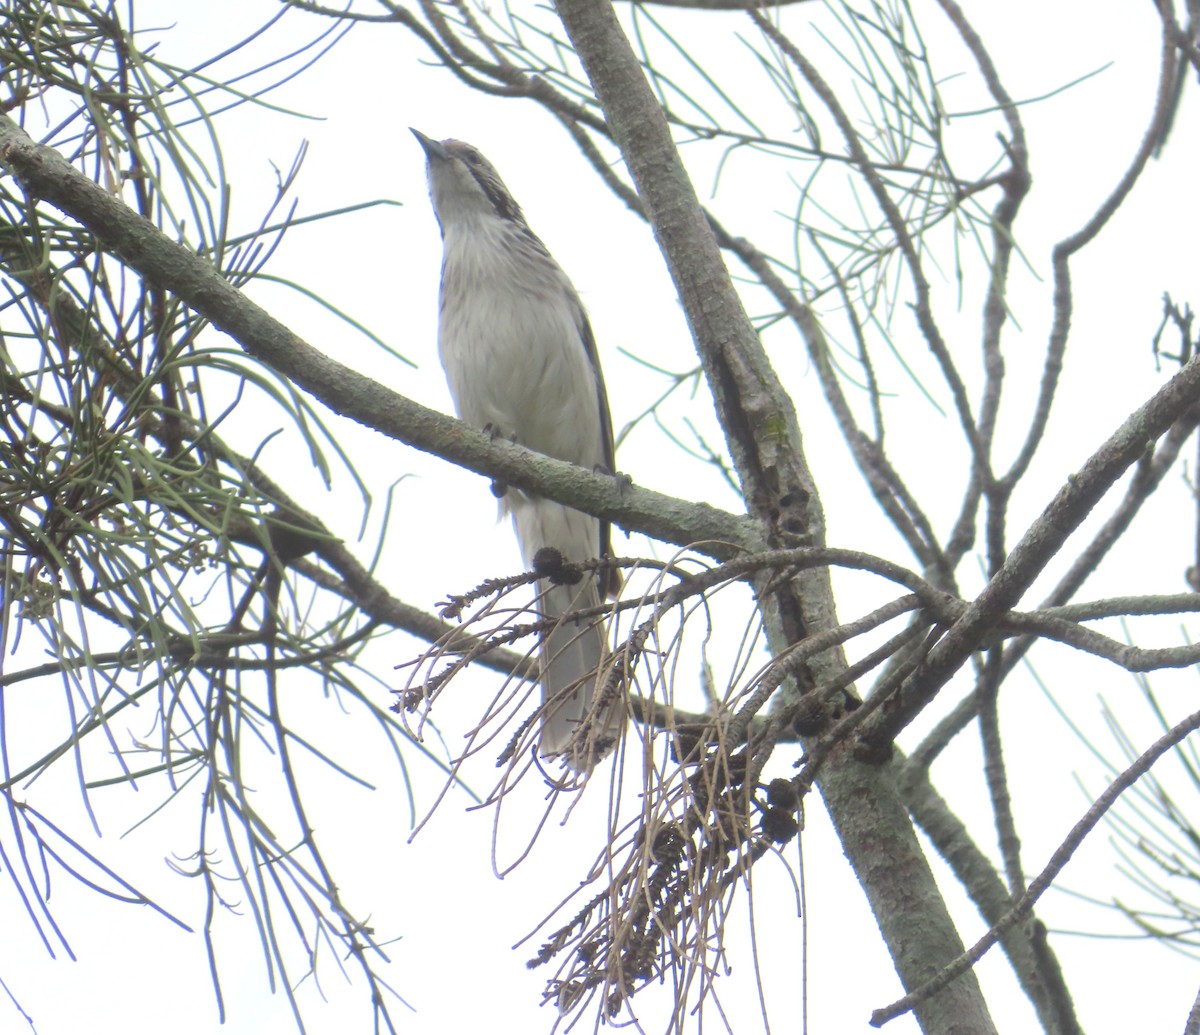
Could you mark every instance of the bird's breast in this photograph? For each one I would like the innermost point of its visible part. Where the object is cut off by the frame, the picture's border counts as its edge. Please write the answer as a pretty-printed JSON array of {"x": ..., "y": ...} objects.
[{"x": 510, "y": 343}]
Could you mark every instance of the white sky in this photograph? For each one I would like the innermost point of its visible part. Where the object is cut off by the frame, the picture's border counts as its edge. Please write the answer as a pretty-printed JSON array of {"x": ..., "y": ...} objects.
[{"x": 136, "y": 974}]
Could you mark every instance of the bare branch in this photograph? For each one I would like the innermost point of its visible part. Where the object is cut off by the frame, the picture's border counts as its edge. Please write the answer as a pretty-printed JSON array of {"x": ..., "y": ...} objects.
[
  {"x": 1065, "y": 249},
  {"x": 45, "y": 173},
  {"x": 1042, "y": 882},
  {"x": 1044, "y": 538}
]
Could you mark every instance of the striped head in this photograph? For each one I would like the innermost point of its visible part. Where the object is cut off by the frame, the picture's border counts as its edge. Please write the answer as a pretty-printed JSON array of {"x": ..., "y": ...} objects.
[{"x": 465, "y": 187}]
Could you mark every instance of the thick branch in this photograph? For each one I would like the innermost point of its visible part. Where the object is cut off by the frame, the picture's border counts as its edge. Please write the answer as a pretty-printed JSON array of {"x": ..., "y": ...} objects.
[
  {"x": 45, "y": 174},
  {"x": 1044, "y": 539},
  {"x": 760, "y": 424}
]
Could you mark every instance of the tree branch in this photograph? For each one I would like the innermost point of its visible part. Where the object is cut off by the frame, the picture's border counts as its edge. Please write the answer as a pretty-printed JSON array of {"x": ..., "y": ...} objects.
[
  {"x": 760, "y": 424},
  {"x": 44, "y": 173},
  {"x": 1058, "y": 860},
  {"x": 1042, "y": 542}
]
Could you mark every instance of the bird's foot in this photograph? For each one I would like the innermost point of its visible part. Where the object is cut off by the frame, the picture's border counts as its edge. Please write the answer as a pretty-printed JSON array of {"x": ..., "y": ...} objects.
[
  {"x": 624, "y": 481},
  {"x": 499, "y": 485}
]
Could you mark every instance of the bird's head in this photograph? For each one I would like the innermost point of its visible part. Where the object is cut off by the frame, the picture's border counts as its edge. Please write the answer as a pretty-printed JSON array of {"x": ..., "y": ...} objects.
[{"x": 464, "y": 186}]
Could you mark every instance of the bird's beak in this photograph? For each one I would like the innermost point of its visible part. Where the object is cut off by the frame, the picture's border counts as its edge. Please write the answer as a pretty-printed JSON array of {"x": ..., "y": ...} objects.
[{"x": 432, "y": 147}]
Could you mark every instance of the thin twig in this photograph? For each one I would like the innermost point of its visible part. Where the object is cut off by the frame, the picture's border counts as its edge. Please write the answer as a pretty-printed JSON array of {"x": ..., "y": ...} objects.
[{"x": 1042, "y": 882}]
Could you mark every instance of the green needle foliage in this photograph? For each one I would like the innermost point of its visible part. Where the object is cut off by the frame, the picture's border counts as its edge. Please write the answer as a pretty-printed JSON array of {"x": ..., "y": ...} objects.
[{"x": 155, "y": 566}]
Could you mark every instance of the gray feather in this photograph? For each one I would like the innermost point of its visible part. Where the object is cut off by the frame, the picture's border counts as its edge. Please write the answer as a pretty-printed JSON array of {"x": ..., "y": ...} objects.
[{"x": 520, "y": 358}]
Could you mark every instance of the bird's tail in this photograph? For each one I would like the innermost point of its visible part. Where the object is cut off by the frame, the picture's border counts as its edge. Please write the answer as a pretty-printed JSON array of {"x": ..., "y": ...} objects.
[{"x": 579, "y": 722}]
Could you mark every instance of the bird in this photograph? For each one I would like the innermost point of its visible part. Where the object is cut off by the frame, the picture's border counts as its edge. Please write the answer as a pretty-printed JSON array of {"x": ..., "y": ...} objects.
[{"x": 521, "y": 363}]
